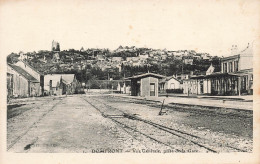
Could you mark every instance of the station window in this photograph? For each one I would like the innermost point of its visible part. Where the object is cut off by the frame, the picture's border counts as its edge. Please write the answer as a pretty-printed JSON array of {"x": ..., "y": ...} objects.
[
  {"x": 230, "y": 67},
  {"x": 235, "y": 66},
  {"x": 224, "y": 67}
]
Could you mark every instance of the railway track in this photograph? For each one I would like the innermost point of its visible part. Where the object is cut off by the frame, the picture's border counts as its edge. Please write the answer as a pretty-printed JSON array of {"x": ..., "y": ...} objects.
[
  {"x": 167, "y": 137},
  {"x": 33, "y": 125}
]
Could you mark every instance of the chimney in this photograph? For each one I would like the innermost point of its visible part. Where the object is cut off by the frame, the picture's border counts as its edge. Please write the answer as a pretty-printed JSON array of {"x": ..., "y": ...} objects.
[{"x": 234, "y": 50}]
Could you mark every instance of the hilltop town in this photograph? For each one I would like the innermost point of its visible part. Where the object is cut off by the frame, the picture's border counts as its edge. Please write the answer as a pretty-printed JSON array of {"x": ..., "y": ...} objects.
[{"x": 119, "y": 63}]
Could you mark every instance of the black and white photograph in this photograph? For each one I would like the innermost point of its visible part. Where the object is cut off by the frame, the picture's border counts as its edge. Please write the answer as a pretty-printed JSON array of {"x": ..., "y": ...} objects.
[{"x": 130, "y": 78}]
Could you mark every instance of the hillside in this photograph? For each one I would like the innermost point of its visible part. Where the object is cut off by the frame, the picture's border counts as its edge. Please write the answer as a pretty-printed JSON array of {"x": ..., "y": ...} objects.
[{"x": 123, "y": 62}]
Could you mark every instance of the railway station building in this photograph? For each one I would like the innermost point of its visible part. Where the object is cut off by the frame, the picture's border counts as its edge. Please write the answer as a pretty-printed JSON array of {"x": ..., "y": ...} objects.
[
  {"x": 145, "y": 85},
  {"x": 235, "y": 78}
]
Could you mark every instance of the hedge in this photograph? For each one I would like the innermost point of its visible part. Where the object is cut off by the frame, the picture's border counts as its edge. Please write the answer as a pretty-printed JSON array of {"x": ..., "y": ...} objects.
[{"x": 174, "y": 90}]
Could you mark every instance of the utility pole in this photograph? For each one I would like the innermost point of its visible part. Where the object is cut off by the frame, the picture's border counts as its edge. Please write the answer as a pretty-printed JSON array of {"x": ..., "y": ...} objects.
[
  {"x": 182, "y": 68},
  {"x": 107, "y": 79}
]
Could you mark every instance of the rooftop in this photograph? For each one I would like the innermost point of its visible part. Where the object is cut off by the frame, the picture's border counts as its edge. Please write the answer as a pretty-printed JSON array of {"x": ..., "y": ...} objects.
[
  {"x": 230, "y": 57},
  {"x": 219, "y": 74},
  {"x": 168, "y": 78},
  {"x": 146, "y": 75},
  {"x": 22, "y": 72}
]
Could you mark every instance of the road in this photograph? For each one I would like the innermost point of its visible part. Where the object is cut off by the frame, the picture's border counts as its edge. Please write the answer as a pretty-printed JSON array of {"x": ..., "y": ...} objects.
[{"x": 108, "y": 124}]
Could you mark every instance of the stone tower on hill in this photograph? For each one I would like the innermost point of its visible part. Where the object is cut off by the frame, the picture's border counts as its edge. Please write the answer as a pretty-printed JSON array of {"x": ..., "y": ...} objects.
[{"x": 55, "y": 46}]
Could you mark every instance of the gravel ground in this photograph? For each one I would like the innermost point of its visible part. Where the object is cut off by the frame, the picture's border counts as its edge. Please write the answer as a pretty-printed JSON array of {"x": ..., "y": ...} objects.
[
  {"x": 70, "y": 124},
  {"x": 219, "y": 126}
]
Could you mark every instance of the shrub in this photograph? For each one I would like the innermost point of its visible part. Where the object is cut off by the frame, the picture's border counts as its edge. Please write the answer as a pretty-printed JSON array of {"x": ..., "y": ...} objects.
[{"x": 174, "y": 90}]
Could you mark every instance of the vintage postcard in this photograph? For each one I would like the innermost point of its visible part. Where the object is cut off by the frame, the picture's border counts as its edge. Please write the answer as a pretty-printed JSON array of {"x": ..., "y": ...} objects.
[{"x": 129, "y": 81}]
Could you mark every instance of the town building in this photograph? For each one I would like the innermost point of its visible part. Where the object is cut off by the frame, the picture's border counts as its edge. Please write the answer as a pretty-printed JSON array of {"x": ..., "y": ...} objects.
[
  {"x": 145, "y": 85},
  {"x": 22, "y": 56},
  {"x": 116, "y": 60},
  {"x": 56, "y": 57},
  {"x": 143, "y": 56},
  {"x": 188, "y": 60},
  {"x": 82, "y": 49},
  {"x": 55, "y": 46}
]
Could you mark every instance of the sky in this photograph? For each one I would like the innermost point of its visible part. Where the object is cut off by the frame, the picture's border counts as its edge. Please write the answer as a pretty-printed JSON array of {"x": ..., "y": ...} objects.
[{"x": 201, "y": 25}]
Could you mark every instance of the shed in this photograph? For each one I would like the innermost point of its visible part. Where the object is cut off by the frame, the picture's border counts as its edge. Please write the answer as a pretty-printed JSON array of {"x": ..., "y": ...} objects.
[{"x": 145, "y": 84}]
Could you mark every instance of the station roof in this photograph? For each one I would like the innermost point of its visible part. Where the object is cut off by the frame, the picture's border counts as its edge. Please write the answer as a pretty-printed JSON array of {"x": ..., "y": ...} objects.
[
  {"x": 145, "y": 75},
  {"x": 230, "y": 57},
  {"x": 219, "y": 74}
]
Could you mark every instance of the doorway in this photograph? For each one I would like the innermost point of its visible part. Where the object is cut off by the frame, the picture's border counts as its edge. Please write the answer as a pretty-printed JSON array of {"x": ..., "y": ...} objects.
[{"x": 152, "y": 89}]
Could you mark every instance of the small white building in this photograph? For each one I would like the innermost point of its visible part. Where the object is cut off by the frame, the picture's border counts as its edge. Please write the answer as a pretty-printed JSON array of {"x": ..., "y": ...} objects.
[
  {"x": 170, "y": 83},
  {"x": 51, "y": 83}
]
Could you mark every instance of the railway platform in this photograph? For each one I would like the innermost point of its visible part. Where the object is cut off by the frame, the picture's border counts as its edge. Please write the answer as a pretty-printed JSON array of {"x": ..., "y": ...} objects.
[{"x": 208, "y": 101}]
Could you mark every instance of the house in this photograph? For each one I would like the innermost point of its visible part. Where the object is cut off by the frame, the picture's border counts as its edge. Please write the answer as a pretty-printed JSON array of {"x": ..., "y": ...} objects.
[
  {"x": 169, "y": 83},
  {"x": 20, "y": 83},
  {"x": 100, "y": 58},
  {"x": 188, "y": 60},
  {"x": 69, "y": 84},
  {"x": 164, "y": 56},
  {"x": 116, "y": 59},
  {"x": 82, "y": 49},
  {"x": 143, "y": 56},
  {"x": 210, "y": 70},
  {"x": 205, "y": 56},
  {"x": 22, "y": 56},
  {"x": 178, "y": 57},
  {"x": 235, "y": 78},
  {"x": 33, "y": 72},
  {"x": 51, "y": 84},
  {"x": 196, "y": 56},
  {"x": 56, "y": 57},
  {"x": 184, "y": 76},
  {"x": 145, "y": 84},
  {"x": 135, "y": 59},
  {"x": 58, "y": 84}
]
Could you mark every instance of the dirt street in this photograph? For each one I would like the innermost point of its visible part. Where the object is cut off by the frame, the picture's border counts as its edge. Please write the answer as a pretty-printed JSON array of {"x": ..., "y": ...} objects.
[{"x": 71, "y": 124}]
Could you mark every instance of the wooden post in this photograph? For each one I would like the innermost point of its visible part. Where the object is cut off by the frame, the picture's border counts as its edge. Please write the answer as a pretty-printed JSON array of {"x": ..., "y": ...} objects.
[
  {"x": 197, "y": 87},
  {"x": 207, "y": 86},
  {"x": 160, "y": 113},
  {"x": 239, "y": 86}
]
